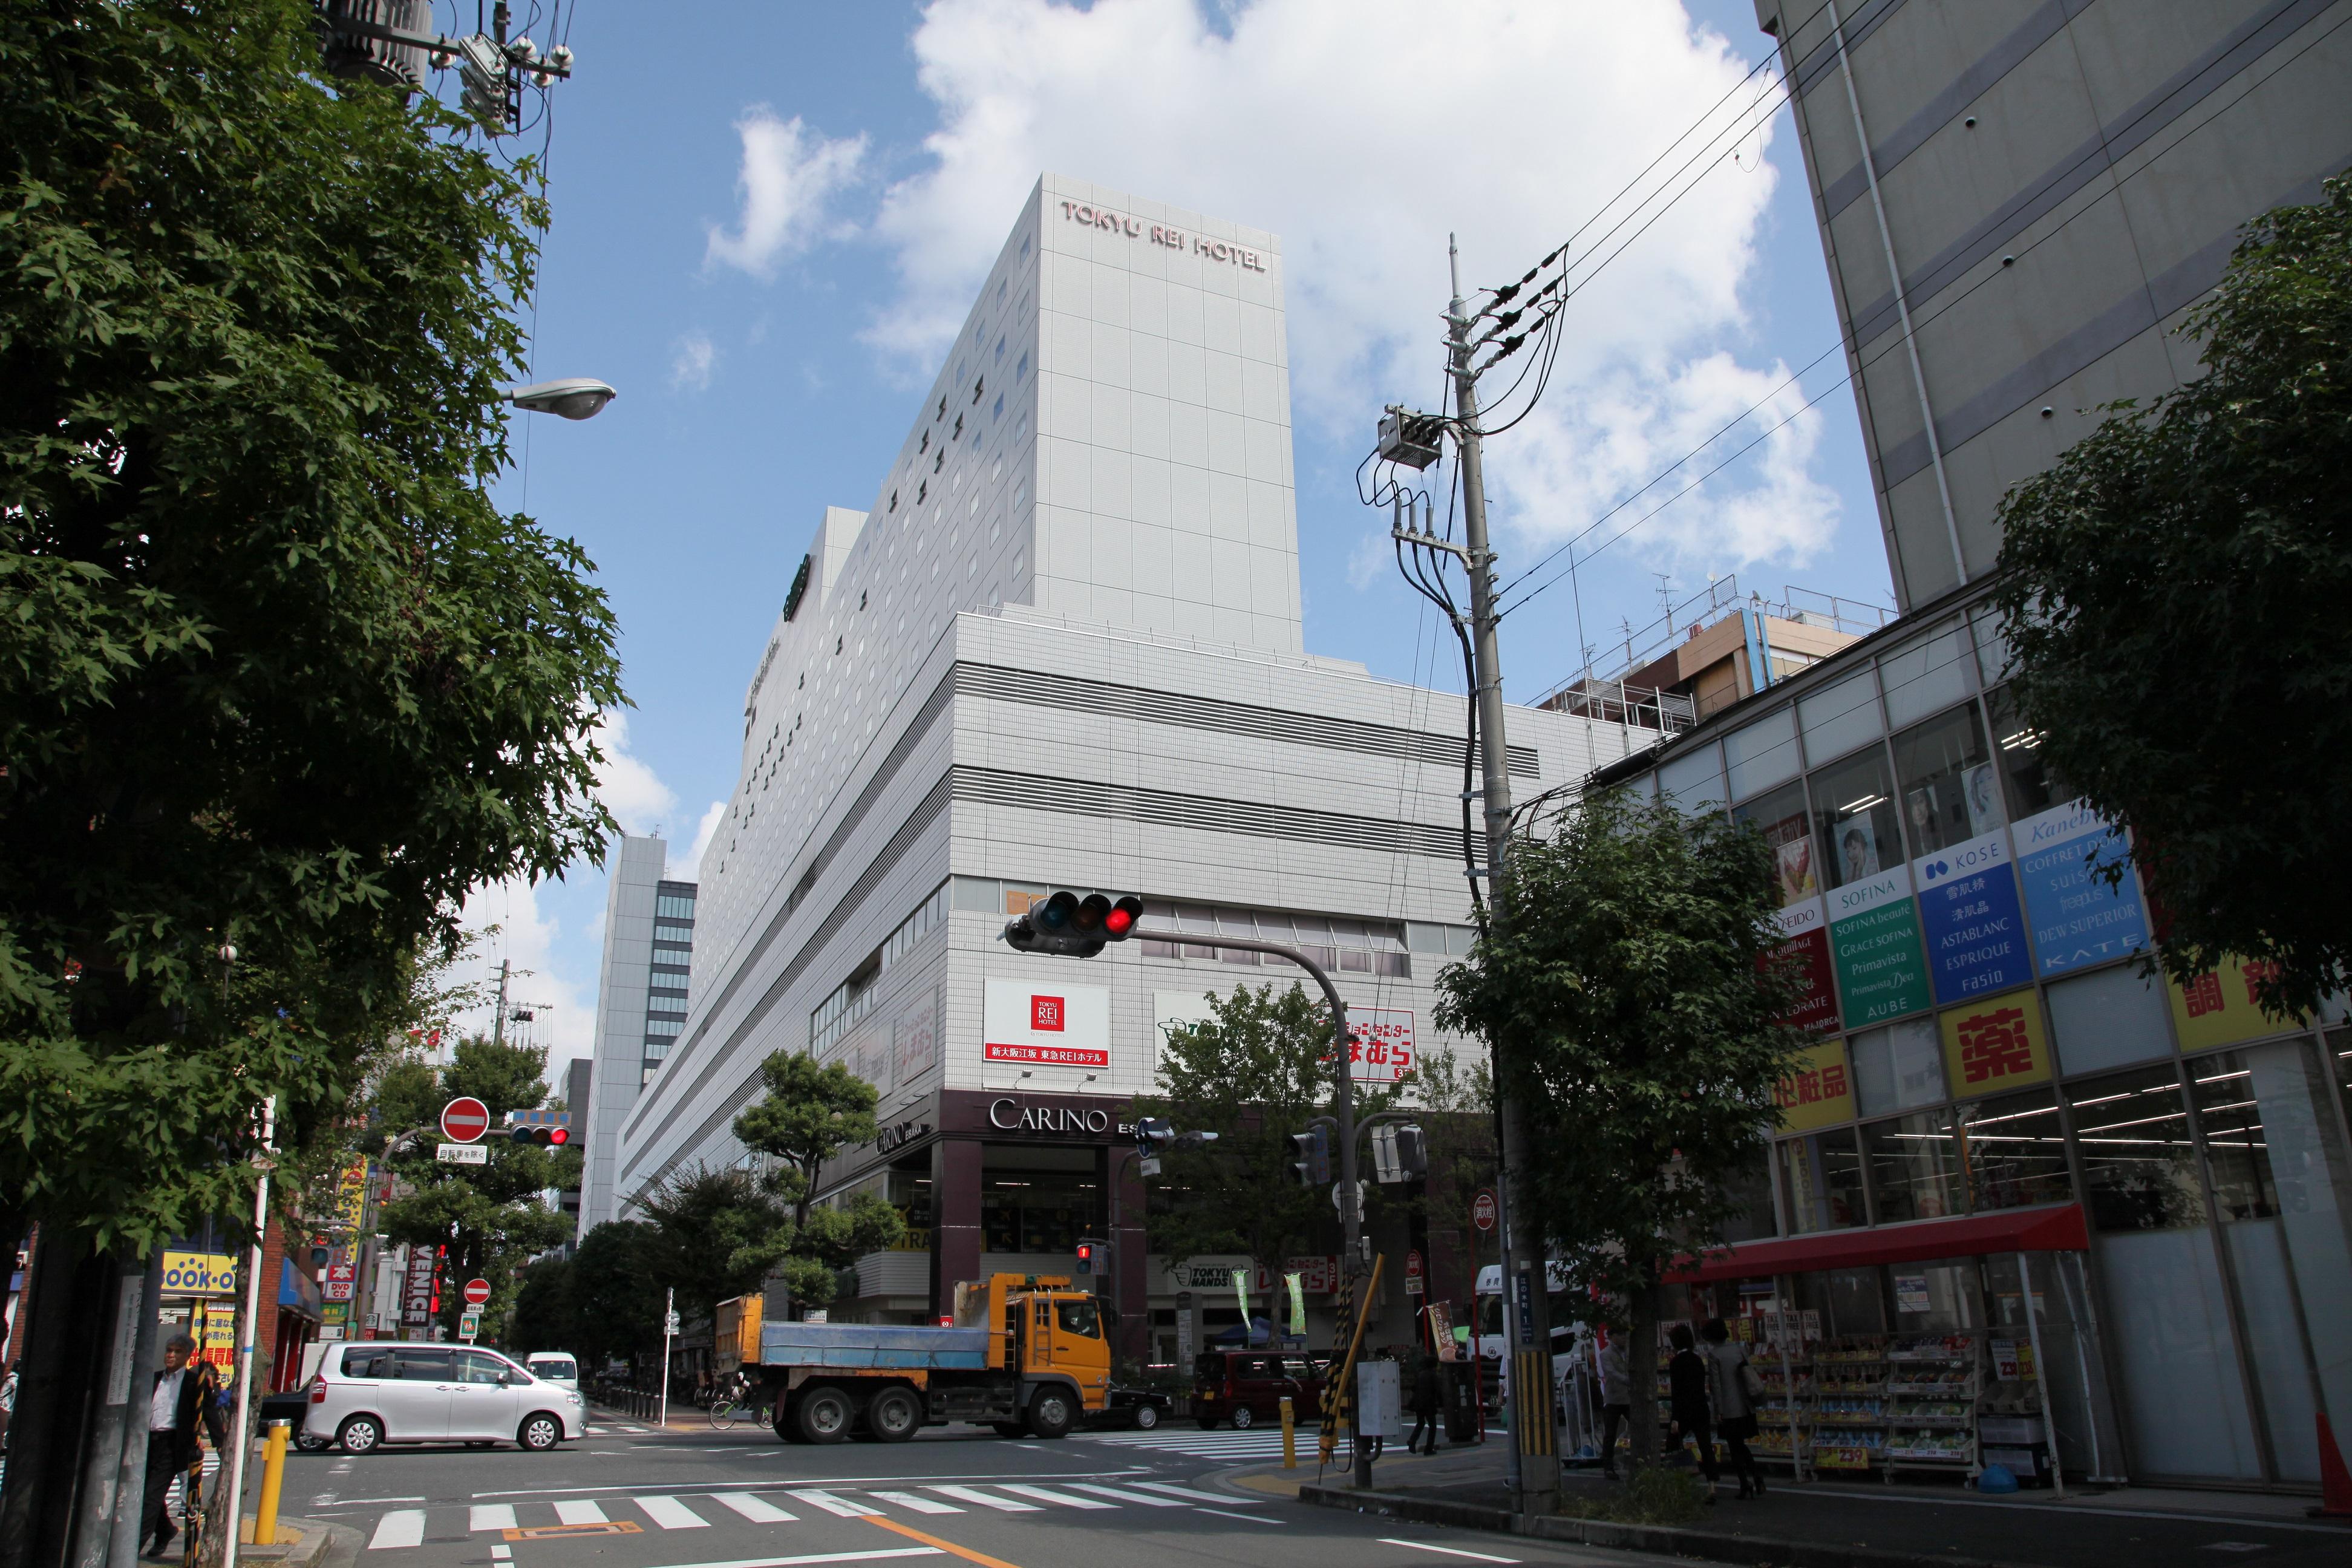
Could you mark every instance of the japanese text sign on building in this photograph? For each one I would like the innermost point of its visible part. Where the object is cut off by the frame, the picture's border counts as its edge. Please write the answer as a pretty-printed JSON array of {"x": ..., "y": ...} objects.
[
  {"x": 1379, "y": 1044},
  {"x": 2219, "y": 1007},
  {"x": 1997, "y": 1045},
  {"x": 1067, "y": 1025},
  {"x": 1819, "y": 1091}
]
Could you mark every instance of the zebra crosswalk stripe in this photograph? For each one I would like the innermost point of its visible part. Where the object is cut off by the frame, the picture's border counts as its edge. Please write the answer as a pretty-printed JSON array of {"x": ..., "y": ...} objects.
[
  {"x": 1146, "y": 1500},
  {"x": 402, "y": 1527},
  {"x": 972, "y": 1494},
  {"x": 672, "y": 1514},
  {"x": 491, "y": 1516},
  {"x": 580, "y": 1511},
  {"x": 1047, "y": 1494},
  {"x": 916, "y": 1504},
  {"x": 835, "y": 1505},
  {"x": 759, "y": 1511}
]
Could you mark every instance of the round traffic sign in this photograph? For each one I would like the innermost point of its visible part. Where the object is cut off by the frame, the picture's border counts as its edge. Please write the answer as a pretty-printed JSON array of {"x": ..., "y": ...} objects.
[
  {"x": 1482, "y": 1212},
  {"x": 476, "y": 1292},
  {"x": 464, "y": 1120}
]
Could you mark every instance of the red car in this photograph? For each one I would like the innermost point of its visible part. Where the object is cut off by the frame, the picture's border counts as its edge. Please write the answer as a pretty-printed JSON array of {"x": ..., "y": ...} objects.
[{"x": 1246, "y": 1387}]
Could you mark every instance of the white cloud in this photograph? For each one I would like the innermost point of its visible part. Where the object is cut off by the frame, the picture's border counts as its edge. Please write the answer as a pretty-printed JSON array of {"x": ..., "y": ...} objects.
[
  {"x": 561, "y": 999},
  {"x": 687, "y": 868},
  {"x": 691, "y": 362},
  {"x": 629, "y": 787},
  {"x": 1324, "y": 121},
  {"x": 788, "y": 173}
]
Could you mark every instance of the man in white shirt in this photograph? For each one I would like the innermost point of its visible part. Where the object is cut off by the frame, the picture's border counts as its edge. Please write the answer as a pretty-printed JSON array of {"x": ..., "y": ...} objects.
[{"x": 182, "y": 1397}]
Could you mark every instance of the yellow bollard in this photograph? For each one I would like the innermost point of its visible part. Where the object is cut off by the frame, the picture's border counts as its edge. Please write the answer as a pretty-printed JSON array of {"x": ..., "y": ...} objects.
[
  {"x": 1289, "y": 1436},
  {"x": 273, "y": 1476}
]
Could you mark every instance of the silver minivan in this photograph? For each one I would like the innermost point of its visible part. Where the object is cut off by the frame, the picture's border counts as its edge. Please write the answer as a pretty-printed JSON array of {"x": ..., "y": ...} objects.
[{"x": 365, "y": 1395}]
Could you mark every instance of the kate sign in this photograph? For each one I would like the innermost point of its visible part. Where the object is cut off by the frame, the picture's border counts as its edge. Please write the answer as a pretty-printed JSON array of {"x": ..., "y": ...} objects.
[{"x": 1056, "y": 1025}]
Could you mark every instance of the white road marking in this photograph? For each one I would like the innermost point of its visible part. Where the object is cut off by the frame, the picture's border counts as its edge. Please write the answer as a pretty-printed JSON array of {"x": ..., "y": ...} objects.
[
  {"x": 672, "y": 1514},
  {"x": 1145, "y": 1498},
  {"x": 580, "y": 1511},
  {"x": 491, "y": 1516},
  {"x": 1047, "y": 1494},
  {"x": 816, "y": 1557},
  {"x": 759, "y": 1511},
  {"x": 968, "y": 1494},
  {"x": 919, "y": 1504},
  {"x": 835, "y": 1505},
  {"x": 1189, "y": 1495},
  {"x": 402, "y": 1527},
  {"x": 1244, "y": 1517},
  {"x": 1445, "y": 1551}
]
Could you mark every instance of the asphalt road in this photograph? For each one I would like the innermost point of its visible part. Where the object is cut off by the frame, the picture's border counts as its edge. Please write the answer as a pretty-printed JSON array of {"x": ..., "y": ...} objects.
[{"x": 642, "y": 1498}]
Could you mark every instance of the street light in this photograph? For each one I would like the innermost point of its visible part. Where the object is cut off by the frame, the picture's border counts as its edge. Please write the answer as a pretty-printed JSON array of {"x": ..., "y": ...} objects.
[{"x": 573, "y": 396}]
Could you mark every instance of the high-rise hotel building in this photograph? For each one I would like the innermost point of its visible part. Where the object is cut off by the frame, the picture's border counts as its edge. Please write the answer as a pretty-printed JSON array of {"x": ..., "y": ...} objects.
[{"x": 1061, "y": 648}]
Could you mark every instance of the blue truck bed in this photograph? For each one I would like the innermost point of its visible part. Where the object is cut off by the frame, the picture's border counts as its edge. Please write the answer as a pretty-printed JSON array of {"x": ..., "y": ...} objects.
[{"x": 896, "y": 1347}]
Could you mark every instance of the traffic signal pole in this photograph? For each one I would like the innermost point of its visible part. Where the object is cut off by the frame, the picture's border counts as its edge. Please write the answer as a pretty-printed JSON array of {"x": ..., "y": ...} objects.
[{"x": 1528, "y": 1305}]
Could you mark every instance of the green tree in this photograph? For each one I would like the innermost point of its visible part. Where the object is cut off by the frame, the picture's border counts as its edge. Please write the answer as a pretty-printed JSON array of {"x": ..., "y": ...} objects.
[
  {"x": 273, "y": 672},
  {"x": 1255, "y": 1072},
  {"x": 1631, "y": 975},
  {"x": 494, "y": 1216},
  {"x": 544, "y": 1317},
  {"x": 807, "y": 1115},
  {"x": 2173, "y": 597},
  {"x": 616, "y": 1292},
  {"x": 716, "y": 1229}
]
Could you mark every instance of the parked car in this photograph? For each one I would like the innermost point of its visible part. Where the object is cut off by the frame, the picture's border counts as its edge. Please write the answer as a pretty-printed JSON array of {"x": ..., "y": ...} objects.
[
  {"x": 1246, "y": 1387},
  {"x": 1138, "y": 1409},
  {"x": 555, "y": 1367},
  {"x": 366, "y": 1395}
]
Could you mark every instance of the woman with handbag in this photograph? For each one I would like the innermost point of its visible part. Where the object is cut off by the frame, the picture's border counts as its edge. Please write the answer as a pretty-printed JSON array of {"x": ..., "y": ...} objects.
[{"x": 1732, "y": 1386}]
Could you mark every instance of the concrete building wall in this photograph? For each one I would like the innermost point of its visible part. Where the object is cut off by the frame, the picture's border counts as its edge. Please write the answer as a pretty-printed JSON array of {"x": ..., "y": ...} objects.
[
  {"x": 617, "y": 1071},
  {"x": 2060, "y": 183}
]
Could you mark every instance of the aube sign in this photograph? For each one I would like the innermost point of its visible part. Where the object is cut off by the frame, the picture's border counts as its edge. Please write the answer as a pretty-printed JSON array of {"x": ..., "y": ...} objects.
[{"x": 1160, "y": 233}]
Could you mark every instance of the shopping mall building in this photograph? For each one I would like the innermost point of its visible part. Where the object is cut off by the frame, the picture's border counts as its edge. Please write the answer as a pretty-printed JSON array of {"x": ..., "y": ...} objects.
[
  {"x": 1061, "y": 648},
  {"x": 2013, "y": 1163}
]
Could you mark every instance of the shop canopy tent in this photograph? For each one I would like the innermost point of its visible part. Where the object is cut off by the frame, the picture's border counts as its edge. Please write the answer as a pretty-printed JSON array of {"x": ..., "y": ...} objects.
[{"x": 2054, "y": 1227}]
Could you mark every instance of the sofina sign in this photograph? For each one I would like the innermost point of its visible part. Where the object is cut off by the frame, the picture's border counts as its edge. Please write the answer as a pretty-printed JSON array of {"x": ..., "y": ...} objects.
[
  {"x": 1874, "y": 934},
  {"x": 2077, "y": 918},
  {"x": 1969, "y": 912}
]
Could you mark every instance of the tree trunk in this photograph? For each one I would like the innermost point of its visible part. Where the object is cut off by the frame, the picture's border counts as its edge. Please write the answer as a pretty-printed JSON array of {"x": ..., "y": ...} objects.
[
  {"x": 59, "y": 1373},
  {"x": 1641, "y": 1372}
]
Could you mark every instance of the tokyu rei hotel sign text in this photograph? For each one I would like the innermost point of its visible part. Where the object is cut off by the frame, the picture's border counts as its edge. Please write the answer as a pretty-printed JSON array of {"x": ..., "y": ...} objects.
[
  {"x": 1163, "y": 235},
  {"x": 1047, "y": 1026}
]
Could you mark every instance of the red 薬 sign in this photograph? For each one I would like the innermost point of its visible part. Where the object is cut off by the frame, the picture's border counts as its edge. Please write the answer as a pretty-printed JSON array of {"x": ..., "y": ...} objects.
[
  {"x": 1483, "y": 1211},
  {"x": 464, "y": 1120},
  {"x": 476, "y": 1292}
]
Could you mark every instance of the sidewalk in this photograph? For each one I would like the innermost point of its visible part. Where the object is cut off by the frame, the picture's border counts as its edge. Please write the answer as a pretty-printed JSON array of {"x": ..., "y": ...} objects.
[{"x": 1863, "y": 1525}]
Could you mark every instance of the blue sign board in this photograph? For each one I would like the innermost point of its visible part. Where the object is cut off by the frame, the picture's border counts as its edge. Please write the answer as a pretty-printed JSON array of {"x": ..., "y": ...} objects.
[
  {"x": 1969, "y": 914},
  {"x": 2077, "y": 918}
]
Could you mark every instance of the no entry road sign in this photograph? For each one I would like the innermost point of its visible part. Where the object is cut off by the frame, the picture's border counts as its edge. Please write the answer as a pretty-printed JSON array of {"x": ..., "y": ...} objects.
[
  {"x": 476, "y": 1291},
  {"x": 464, "y": 1120},
  {"x": 1482, "y": 1211}
]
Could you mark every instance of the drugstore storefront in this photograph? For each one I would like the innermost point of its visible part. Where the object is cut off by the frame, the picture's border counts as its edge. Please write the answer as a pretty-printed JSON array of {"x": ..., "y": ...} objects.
[{"x": 2002, "y": 1127}]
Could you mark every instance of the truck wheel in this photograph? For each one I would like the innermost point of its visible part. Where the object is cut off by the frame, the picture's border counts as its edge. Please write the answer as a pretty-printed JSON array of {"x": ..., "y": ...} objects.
[
  {"x": 825, "y": 1415},
  {"x": 1243, "y": 1417},
  {"x": 1051, "y": 1415},
  {"x": 894, "y": 1416}
]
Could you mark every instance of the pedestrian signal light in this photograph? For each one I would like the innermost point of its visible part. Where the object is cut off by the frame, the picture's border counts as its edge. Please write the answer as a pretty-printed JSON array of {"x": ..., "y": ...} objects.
[
  {"x": 1313, "y": 1167},
  {"x": 1069, "y": 926},
  {"x": 1090, "y": 1255}
]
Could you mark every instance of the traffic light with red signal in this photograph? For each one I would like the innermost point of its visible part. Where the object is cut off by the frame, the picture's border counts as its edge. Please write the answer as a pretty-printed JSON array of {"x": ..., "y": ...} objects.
[
  {"x": 1069, "y": 926},
  {"x": 545, "y": 1128},
  {"x": 1093, "y": 1255}
]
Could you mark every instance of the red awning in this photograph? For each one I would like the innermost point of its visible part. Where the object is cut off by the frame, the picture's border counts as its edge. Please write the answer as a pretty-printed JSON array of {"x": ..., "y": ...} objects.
[{"x": 2055, "y": 1227}]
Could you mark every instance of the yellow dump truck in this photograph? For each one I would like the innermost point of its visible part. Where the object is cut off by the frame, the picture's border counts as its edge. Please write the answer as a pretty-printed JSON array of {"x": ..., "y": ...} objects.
[{"x": 1027, "y": 1354}]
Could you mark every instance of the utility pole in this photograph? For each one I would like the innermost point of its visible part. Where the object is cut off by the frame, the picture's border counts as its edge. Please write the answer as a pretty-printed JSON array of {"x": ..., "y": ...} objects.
[
  {"x": 499, "y": 1025},
  {"x": 1527, "y": 1304}
]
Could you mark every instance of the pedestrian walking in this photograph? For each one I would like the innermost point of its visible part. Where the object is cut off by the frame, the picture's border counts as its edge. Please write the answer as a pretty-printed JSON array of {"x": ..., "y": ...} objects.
[
  {"x": 1616, "y": 1400},
  {"x": 1428, "y": 1400},
  {"x": 1687, "y": 1399},
  {"x": 181, "y": 1400},
  {"x": 1731, "y": 1385}
]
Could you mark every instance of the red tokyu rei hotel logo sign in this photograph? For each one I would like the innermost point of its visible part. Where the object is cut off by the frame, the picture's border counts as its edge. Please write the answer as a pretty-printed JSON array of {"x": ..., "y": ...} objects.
[{"x": 1067, "y": 1026}]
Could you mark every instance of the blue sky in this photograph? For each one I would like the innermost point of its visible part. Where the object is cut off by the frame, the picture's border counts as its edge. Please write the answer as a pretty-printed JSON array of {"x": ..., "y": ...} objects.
[{"x": 764, "y": 211}]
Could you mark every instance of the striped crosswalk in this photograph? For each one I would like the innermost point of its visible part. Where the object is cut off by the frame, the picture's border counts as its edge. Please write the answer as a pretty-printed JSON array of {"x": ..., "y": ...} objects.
[
  {"x": 406, "y": 1527},
  {"x": 1233, "y": 1447}
]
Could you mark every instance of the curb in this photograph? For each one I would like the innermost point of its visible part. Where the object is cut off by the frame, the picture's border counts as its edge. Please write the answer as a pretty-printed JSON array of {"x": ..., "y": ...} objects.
[
  {"x": 1671, "y": 1541},
  {"x": 319, "y": 1540}
]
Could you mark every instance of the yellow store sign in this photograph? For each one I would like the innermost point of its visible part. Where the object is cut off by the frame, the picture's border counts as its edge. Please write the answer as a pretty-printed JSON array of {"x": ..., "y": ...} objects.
[
  {"x": 199, "y": 1274},
  {"x": 1819, "y": 1092},
  {"x": 1994, "y": 1045},
  {"x": 2218, "y": 1007}
]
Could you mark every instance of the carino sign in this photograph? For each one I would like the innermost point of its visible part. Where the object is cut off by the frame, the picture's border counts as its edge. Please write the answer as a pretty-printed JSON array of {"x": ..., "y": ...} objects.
[{"x": 1077, "y": 1121}]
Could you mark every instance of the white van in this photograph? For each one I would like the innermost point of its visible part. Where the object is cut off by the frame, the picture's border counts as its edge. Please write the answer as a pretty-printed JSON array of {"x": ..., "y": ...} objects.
[
  {"x": 555, "y": 1367},
  {"x": 366, "y": 1395}
]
